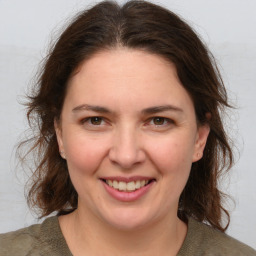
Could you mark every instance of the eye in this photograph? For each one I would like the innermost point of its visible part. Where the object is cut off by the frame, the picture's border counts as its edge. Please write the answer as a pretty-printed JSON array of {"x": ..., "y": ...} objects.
[
  {"x": 93, "y": 121},
  {"x": 160, "y": 121}
]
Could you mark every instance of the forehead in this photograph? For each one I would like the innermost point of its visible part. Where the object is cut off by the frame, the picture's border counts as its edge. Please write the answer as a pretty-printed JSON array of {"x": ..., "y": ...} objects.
[
  {"x": 125, "y": 61},
  {"x": 127, "y": 76}
]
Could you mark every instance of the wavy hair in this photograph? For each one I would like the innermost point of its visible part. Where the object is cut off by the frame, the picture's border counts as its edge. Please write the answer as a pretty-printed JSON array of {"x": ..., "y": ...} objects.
[{"x": 136, "y": 25}]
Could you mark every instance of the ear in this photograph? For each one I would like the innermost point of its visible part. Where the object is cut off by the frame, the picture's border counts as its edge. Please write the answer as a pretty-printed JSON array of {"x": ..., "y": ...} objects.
[
  {"x": 201, "y": 139},
  {"x": 58, "y": 132}
]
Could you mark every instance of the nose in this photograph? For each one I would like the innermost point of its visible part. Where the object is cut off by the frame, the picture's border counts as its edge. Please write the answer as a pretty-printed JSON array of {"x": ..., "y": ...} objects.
[{"x": 126, "y": 149}]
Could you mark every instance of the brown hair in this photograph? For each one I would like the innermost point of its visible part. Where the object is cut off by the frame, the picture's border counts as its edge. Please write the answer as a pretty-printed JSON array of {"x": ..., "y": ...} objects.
[{"x": 136, "y": 25}]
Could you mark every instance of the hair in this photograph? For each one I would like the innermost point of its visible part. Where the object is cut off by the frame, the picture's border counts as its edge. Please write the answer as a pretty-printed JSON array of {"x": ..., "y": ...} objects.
[{"x": 142, "y": 26}]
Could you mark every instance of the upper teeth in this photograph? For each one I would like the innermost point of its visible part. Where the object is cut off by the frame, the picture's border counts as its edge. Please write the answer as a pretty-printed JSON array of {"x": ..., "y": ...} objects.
[{"x": 127, "y": 186}]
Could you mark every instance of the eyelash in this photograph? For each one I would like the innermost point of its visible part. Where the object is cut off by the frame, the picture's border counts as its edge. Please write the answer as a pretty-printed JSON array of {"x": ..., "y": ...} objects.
[
  {"x": 89, "y": 120},
  {"x": 165, "y": 121}
]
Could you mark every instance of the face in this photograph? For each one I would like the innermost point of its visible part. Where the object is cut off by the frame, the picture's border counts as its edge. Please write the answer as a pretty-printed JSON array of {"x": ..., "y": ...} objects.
[{"x": 129, "y": 134}]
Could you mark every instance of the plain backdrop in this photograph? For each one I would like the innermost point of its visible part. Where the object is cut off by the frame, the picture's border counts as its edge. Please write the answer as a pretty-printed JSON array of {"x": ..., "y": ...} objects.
[{"x": 227, "y": 27}]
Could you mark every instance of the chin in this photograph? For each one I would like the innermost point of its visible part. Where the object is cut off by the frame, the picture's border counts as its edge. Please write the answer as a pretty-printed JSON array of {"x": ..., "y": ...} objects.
[{"x": 129, "y": 221}]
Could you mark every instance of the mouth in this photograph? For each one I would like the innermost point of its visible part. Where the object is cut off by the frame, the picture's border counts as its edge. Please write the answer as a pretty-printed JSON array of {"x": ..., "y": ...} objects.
[{"x": 129, "y": 186}]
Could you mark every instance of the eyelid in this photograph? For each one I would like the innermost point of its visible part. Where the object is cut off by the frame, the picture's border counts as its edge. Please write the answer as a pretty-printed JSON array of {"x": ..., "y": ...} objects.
[
  {"x": 89, "y": 118},
  {"x": 168, "y": 121},
  {"x": 104, "y": 121}
]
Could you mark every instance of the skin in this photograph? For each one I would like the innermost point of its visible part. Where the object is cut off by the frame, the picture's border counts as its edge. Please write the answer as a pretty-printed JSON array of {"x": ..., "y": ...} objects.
[{"x": 127, "y": 140}]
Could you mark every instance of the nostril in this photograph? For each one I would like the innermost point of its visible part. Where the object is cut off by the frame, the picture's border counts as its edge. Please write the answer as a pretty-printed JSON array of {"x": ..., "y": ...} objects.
[{"x": 126, "y": 155}]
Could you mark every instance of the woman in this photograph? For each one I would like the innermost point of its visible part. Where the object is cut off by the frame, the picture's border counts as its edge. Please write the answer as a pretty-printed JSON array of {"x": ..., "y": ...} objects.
[{"x": 129, "y": 143}]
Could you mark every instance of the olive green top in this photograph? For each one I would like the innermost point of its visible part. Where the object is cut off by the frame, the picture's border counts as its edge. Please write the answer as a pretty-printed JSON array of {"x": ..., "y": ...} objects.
[{"x": 47, "y": 239}]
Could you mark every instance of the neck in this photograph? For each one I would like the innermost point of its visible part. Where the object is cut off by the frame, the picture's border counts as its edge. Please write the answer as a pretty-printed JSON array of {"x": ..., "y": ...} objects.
[{"x": 86, "y": 234}]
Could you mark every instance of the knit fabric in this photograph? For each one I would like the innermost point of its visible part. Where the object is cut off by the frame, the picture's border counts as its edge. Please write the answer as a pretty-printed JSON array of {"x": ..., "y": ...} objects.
[{"x": 47, "y": 239}]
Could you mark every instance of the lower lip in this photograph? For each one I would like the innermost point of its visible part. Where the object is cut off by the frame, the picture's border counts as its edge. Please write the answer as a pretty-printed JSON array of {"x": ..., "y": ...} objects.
[{"x": 127, "y": 196}]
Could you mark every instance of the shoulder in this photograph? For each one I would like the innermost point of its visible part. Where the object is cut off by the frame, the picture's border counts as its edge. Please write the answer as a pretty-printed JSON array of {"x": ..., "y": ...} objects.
[
  {"x": 38, "y": 239},
  {"x": 202, "y": 240}
]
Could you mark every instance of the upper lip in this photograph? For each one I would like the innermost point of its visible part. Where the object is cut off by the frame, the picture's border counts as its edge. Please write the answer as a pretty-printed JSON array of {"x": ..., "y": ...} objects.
[{"x": 127, "y": 179}]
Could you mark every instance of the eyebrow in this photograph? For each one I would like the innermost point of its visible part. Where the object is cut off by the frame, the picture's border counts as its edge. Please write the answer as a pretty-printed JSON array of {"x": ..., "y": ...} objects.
[
  {"x": 157, "y": 109},
  {"x": 97, "y": 109},
  {"x": 150, "y": 110}
]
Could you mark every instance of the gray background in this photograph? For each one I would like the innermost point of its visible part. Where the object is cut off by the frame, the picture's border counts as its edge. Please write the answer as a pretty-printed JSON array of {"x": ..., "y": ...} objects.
[{"x": 227, "y": 26}]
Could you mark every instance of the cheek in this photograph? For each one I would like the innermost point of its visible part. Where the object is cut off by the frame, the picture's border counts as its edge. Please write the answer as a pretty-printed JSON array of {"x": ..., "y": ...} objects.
[
  {"x": 172, "y": 158},
  {"x": 84, "y": 155},
  {"x": 172, "y": 155}
]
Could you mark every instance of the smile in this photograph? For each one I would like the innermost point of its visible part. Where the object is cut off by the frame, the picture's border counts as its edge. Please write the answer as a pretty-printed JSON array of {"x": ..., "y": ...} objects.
[
  {"x": 127, "y": 186},
  {"x": 127, "y": 189}
]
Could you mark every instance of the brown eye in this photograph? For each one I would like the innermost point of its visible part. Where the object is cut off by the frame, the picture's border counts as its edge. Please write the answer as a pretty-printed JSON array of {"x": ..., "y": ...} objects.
[
  {"x": 96, "y": 120},
  {"x": 159, "y": 120}
]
